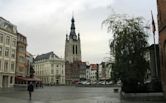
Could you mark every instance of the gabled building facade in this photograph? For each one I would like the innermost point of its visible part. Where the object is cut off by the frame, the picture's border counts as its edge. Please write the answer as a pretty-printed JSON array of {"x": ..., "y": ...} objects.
[{"x": 93, "y": 72}]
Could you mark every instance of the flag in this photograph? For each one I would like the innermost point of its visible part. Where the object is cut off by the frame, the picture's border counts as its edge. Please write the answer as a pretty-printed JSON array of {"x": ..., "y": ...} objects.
[{"x": 153, "y": 24}]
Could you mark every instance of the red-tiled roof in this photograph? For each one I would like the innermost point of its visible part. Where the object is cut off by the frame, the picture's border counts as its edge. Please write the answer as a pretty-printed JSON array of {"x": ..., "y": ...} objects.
[{"x": 93, "y": 66}]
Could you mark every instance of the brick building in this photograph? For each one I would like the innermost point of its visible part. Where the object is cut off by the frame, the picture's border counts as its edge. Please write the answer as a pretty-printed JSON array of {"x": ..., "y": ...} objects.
[
  {"x": 161, "y": 5},
  {"x": 72, "y": 72}
]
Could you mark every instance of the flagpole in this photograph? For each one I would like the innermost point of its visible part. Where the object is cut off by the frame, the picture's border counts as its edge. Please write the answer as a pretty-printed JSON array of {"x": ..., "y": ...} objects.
[{"x": 155, "y": 57}]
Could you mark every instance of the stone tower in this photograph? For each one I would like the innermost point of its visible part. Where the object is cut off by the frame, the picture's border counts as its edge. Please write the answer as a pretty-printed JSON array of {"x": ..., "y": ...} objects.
[{"x": 72, "y": 45}]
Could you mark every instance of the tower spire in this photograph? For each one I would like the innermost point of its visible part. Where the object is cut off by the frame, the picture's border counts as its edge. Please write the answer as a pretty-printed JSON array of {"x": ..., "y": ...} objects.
[
  {"x": 72, "y": 14},
  {"x": 73, "y": 45},
  {"x": 72, "y": 31}
]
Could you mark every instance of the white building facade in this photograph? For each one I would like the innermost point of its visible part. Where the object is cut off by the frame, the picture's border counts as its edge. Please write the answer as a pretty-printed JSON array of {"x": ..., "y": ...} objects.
[
  {"x": 93, "y": 75},
  {"x": 100, "y": 72},
  {"x": 88, "y": 74},
  {"x": 105, "y": 70},
  {"x": 108, "y": 73},
  {"x": 50, "y": 69},
  {"x": 8, "y": 44},
  {"x": 91, "y": 72}
]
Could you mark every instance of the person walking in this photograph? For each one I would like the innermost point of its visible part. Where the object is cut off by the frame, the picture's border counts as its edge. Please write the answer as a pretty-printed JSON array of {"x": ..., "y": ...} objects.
[{"x": 30, "y": 89}]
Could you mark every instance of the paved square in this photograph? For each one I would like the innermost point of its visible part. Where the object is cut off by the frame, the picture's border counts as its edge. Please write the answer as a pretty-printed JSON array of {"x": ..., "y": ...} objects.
[{"x": 65, "y": 94}]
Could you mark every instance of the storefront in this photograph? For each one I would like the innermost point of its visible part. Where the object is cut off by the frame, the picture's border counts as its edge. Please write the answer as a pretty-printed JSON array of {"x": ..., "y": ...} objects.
[{"x": 24, "y": 81}]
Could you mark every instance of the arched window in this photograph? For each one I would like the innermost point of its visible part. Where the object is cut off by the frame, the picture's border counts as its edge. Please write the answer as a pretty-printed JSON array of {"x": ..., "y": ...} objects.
[
  {"x": 76, "y": 49},
  {"x": 73, "y": 49}
]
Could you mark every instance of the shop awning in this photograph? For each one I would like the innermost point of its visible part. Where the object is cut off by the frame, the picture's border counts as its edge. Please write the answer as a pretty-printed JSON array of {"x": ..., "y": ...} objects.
[{"x": 18, "y": 78}]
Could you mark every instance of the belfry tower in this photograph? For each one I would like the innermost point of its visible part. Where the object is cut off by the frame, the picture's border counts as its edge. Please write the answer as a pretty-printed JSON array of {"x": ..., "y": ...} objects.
[{"x": 72, "y": 45}]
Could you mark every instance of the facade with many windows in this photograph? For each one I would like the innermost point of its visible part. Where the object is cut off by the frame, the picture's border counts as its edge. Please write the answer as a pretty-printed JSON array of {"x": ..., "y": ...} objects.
[
  {"x": 93, "y": 71},
  {"x": 106, "y": 69},
  {"x": 50, "y": 69},
  {"x": 8, "y": 44},
  {"x": 82, "y": 73},
  {"x": 104, "y": 72}
]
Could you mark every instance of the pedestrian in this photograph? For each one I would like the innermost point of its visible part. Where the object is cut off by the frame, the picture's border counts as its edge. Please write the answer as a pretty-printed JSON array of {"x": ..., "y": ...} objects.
[{"x": 30, "y": 89}]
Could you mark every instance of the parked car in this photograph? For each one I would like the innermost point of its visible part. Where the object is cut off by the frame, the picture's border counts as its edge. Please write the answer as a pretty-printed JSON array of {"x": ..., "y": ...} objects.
[
  {"x": 101, "y": 82},
  {"x": 109, "y": 83}
]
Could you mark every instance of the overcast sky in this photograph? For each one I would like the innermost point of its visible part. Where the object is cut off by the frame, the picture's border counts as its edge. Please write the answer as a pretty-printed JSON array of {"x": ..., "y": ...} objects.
[{"x": 46, "y": 22}]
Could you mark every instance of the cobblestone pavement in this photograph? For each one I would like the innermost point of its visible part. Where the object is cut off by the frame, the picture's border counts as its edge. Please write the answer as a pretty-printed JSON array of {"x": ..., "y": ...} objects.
[{"x": 65, "y": 95}]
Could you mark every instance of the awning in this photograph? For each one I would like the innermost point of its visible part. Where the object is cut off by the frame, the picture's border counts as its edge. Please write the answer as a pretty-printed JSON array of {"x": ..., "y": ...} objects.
[{"x": 27, "y": 79}]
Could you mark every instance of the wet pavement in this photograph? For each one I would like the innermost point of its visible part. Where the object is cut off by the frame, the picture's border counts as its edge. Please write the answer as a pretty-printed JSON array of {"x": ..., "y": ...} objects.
[{"x": 66, "y": 94}]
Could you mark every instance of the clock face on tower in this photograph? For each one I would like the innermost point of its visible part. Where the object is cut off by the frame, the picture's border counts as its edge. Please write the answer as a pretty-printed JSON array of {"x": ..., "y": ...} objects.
[{"x": 74, "y": 37}]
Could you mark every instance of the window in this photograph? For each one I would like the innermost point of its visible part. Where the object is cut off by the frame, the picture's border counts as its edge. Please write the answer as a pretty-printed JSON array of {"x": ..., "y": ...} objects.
[
  {"x": 22, "y": 38},
  {"x": 21, "y": 48},
  {"x": 52, "y": 65},
  {"x": 52, "y": 71},
  {"x": 6, "y": 66},
  {"x": 12, "y": 66},
  {"x": 73, "y": 49},
  {"x": 52, "y": 79},
  {"x": 13, "y": 53},
  {"x": 1, "y": 50},
  {"x": 11, "y": 80},
  {"x": 14, "y": 43},
  {"x": 76, "y": 49},
  {"x": 57, "y": 72},
  {"x": 57, "y": 66},
  {"x": 7, "y": 52},
  {"x": 7, "y": 40},
  {"x": 18, "y": 37},
  {"x": 1, "y": 38},
  {"x": 0, "y": 65},
  {"x": 21, "y": 59}
]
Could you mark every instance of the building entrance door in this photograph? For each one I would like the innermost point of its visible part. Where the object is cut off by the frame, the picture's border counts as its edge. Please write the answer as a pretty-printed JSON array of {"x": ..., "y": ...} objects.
[
  {"x": 57, "y": 82},
  {"x": 5, "y": 81}
]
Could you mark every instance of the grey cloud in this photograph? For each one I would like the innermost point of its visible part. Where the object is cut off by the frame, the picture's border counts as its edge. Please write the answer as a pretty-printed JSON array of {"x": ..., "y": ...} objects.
[{"x": 46, "y": 22}]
